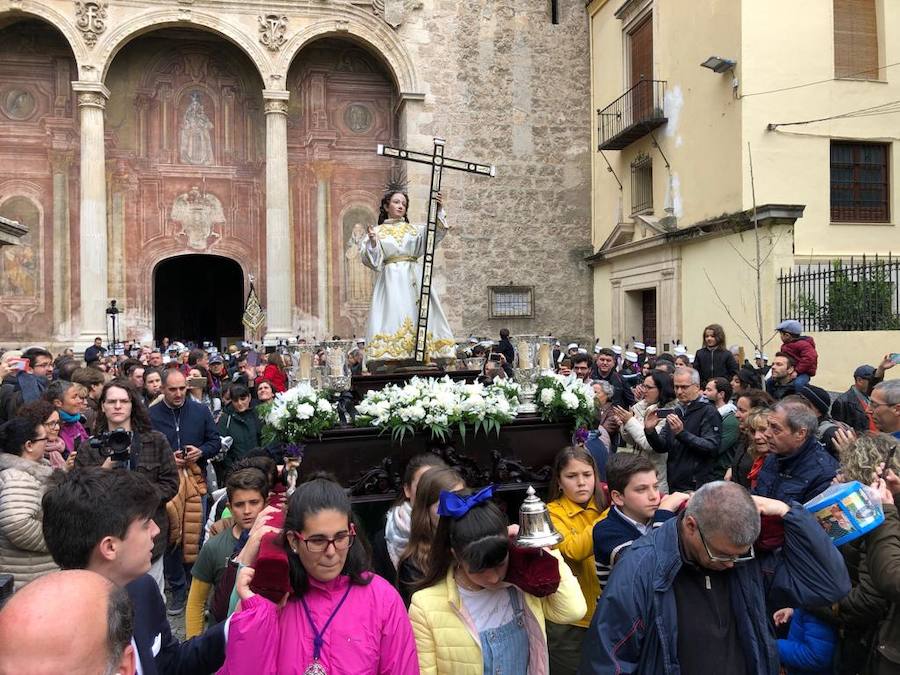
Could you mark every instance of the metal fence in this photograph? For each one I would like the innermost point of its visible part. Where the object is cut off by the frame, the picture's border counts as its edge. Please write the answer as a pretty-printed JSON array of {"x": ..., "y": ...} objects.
[{"x": 852, "y": 294}]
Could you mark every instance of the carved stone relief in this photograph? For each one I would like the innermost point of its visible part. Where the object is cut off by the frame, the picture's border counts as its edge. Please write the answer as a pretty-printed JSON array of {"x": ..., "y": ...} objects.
[
  {"x": 272, "y": 28},
  {"x": 90, "y": 19},
  {"x": 18, "y": 104},
  {"x": 198, "y": 213}
]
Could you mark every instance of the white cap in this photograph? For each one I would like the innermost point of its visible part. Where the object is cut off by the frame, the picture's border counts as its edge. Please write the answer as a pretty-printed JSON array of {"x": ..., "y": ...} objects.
[
  {"x": 680, "y": 350},
  {"x": 572, "y": 345},
  {"x": 361, "y": 341},
  {"x": 597, "y": 349},
  {"x": 639, "y": 345},
  {"x": 690, "y": 358},
  {"x": 473, "y": 341},
  {"x": 651, "y": 350},
  {"x": 617, "y": 349},
  {"x": 582, "y": 350},
  {"x": 557, "y": 343},
  {"x": 631, "y": 356}
]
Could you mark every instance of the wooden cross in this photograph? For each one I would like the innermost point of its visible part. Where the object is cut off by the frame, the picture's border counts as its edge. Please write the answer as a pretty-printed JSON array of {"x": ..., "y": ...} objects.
[{"x": 438, "y": 163}]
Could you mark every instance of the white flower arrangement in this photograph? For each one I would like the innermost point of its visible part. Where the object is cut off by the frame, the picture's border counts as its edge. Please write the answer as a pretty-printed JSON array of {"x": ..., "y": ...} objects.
[
  {"x": 296, "y": 415},
  {"x": 438, "y": 406},
  {"x": 565, "y": 397}
]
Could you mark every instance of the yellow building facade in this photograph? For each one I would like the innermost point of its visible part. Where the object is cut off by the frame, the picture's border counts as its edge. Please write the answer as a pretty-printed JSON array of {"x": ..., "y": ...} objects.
[{"x": 796, "y": 115}]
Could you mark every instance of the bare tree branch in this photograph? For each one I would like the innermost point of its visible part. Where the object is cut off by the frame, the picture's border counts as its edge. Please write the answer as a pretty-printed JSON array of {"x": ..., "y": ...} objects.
[{"x": 728, "y": 311}]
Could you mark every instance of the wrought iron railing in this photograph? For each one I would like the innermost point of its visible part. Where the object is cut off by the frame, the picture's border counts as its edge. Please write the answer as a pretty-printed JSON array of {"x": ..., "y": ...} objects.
[
  {"x": 634, "y": 114},
  {"x": 843, "y": 295}
]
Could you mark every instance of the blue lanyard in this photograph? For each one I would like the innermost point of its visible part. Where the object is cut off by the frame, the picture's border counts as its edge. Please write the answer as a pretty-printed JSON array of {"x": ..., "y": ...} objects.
[{"x": 318, "y": 639}]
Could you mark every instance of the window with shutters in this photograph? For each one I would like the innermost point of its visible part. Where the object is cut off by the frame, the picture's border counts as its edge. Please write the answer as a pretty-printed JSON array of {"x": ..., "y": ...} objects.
[
  {"x": 855, "y": 39},
  {"x": 859, "y": 183}
]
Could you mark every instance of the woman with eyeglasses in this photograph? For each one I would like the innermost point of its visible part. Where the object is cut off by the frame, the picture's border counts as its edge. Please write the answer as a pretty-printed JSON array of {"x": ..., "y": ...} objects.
[
  {"x": 44, "y": 412},
  {"x": 24, "y": 475},
  {"x": 338, "y": 616}
]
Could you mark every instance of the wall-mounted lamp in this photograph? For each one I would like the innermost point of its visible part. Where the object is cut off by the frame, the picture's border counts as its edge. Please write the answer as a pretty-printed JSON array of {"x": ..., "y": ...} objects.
[{"x": 718, "y": 64}]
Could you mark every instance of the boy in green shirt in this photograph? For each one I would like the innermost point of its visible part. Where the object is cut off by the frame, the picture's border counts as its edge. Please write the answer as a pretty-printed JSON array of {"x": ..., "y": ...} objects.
[{"x": 247, "y": 490}]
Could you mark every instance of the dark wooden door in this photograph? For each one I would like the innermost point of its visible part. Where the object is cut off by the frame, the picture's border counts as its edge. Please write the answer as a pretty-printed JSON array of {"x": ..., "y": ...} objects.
[
  {"x": 641, "y": 52},
  {"x": 648, "y": 316}
]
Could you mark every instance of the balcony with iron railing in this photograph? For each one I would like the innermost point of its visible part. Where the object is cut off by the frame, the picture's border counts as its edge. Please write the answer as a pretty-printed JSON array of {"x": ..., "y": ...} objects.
[{"x": 633, "y": 115}]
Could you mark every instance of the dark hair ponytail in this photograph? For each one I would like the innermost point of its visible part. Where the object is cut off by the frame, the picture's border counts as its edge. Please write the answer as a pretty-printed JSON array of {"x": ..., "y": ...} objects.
[
  {"x": 478, "y": 539},
  {"x": 322, "y": 492}
]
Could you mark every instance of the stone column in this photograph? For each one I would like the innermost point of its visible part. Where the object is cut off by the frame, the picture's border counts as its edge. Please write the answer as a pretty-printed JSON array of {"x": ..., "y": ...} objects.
[
  {"x": 60, "y": 163},
  {"x": 323, "y": 171},
  {"x": 279, "y": 269},
  {"x": 92, "y": 97}
]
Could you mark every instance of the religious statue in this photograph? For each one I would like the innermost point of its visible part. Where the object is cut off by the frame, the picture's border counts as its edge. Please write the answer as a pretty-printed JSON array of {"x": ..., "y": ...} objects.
[
  {"x": 393, "y": 248},
  {"x": 196, "y": 140},
  {"x": 358, "y": 278},
  {"x": 197, "y": 213}
]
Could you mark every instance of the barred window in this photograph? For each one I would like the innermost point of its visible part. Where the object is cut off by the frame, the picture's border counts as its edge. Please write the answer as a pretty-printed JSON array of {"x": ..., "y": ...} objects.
[
  {"x": 511, "y": 302},
  {"x": 859, "y": 183},
  {"x": 642, "y": 184}
]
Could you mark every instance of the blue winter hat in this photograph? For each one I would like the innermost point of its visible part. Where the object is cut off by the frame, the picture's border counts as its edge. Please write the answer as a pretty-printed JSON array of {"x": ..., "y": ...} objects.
[{"x": 791, "y": 326}]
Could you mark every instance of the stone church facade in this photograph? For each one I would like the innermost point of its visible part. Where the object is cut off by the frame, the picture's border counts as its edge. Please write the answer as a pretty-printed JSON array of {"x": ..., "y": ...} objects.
[{"x": 165, "y": 154}]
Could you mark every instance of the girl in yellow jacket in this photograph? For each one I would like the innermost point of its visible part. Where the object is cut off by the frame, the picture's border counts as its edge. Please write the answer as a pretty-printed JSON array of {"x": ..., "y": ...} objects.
[
  {"x": 576, "y": 504},
  {"x": 466, "y": 619}
]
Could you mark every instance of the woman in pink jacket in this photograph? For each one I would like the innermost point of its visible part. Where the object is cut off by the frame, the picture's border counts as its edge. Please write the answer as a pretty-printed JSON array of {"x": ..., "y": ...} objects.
[{"x": 338, "y": 619}]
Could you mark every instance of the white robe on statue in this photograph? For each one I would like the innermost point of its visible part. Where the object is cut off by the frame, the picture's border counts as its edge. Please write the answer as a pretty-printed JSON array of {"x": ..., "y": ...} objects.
[{"x": 397, "y": 261}]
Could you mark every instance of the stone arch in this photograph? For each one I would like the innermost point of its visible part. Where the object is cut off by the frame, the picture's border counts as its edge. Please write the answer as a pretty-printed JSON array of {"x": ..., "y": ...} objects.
[
  {"x": 151, "y": 21},
  {"x": 379, "y": 40},
  {"x": 38, "y": 10}
]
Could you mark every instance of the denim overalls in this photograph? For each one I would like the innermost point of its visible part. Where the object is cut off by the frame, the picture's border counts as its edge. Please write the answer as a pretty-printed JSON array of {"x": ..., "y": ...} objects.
[{"x": 505, "y": 648}]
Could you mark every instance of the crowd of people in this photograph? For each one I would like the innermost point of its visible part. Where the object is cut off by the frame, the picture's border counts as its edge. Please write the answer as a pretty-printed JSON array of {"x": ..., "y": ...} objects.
[{"x": 136, "y": 487}]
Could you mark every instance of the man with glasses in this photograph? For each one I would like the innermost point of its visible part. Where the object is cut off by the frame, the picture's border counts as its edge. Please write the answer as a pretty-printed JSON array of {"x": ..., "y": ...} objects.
[
  {"x": 885, "y": 405},
  {"x": 691, "y": 436},
  {"x": 28, "y": 384},
  {"x": 690, "y": 596}
]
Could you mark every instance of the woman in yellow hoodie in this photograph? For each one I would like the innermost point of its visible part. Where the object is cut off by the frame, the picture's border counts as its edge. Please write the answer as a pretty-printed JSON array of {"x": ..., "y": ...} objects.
[
  {"x": 466, "y": 618},
  {"x": 576, "y": 503}
]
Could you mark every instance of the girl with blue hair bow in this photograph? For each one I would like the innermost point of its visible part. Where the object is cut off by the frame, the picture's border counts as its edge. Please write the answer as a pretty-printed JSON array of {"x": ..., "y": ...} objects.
[{"x": 466, "y": 616}]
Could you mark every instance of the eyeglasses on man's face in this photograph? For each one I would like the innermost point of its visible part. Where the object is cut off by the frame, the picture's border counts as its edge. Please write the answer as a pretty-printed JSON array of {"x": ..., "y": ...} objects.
[{"x": 744, "y": 557}]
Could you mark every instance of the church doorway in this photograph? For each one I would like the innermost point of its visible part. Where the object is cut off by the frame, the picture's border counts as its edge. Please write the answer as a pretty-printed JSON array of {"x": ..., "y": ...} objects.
[{"x": 198, "y": 297}]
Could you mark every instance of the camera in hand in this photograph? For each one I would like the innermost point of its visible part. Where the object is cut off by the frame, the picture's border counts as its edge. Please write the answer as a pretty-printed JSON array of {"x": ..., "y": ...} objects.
[{"x": 115, "y": 444}]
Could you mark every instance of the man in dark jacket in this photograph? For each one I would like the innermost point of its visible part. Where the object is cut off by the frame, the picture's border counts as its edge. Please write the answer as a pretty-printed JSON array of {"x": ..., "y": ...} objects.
[
  {"x": 797, "y": 467},
  {"x": 783, "y": 380},
  {"x": 25, "y": 386},
  {"x": 691, "y": 596},
  {"x": 692, "y": 435},
  {"x": 850, "y": 407},
  {"x": 95, "y": 352},
  {"x": 187, "y": 424},
  {"x": 101, "y": 520},
  {"x": 506, "y": 348},
  {"x": 605, "y": 369}
]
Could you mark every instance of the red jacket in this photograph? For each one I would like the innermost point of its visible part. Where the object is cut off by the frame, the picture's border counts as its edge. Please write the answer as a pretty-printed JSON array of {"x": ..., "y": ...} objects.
[
  {"x": 276, "y": 377},
  {"x": 803, "y": 349}
]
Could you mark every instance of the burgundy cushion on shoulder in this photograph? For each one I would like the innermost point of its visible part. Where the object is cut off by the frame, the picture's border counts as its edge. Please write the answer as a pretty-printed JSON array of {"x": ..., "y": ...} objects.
[
  {"x": 771, "y": 533},
  {"x": 272, "y": 579},
  {"x": 533, "y": 570}
]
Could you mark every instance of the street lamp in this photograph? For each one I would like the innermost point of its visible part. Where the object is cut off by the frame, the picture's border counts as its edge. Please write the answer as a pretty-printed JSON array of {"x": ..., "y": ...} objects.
[
  {"x": 719, "y": 65},
  {"x": 113, "y": 313}
]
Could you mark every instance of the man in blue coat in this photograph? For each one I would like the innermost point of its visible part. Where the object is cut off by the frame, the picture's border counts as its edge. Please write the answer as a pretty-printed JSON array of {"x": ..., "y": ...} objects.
[
  {"x": 690, "y": 596},
  {"x": 102, "y": 520},
  {"x": 797, "y": 467},
  {"x": 187, "y": 424}
]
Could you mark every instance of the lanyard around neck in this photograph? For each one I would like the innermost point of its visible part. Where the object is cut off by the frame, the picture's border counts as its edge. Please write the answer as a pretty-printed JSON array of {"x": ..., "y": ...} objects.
[{"x": 318, "y": 635}]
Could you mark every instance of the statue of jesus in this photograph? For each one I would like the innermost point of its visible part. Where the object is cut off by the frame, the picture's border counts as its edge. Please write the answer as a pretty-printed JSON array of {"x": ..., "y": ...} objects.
[{"x": 394, "y": 249}]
